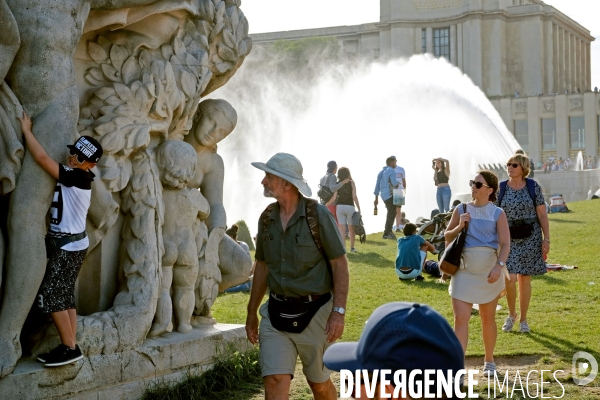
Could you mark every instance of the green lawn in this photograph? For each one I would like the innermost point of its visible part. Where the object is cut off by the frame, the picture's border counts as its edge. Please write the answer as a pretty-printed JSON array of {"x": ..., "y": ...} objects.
[{"x": 565, "y": 309}]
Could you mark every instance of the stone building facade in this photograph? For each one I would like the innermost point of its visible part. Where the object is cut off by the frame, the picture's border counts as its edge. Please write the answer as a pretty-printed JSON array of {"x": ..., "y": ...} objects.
[{"x": 521, "y": 53}]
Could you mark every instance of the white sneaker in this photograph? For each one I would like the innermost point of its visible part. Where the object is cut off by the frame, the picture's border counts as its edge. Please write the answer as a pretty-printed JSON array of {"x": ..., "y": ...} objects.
[
  {"x": 524, "y": 327},
  {"x": 509, "y": 322},
  {"x": 489, "y": 368}
]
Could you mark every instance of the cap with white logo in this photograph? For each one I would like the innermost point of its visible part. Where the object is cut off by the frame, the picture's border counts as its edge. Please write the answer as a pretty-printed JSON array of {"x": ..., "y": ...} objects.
[{"x": 88, "y": 147}]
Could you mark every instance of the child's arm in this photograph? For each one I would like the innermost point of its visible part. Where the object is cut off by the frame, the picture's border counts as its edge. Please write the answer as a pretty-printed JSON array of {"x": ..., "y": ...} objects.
[{"x": 35, "y": 148}]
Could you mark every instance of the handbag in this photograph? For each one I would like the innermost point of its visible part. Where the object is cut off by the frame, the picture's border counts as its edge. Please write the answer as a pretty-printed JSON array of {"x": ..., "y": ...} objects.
[
  {"x": 293, "y": 317},
  {"x": 450, "y": 262},
  {"x": 399, "y": 196},
  {"x": 54, "y": 243}
]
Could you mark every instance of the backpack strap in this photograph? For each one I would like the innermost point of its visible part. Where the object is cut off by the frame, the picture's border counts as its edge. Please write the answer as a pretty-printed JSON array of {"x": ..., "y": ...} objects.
[
  {"x": 502, "y": 190},
  {"x": 312, "y": 219},
  {"x": 530, "y": 189},
  {"x": 265, "y": 217}
]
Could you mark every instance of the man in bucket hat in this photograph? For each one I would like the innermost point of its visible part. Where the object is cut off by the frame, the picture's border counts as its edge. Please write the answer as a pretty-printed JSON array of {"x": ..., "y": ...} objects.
[
  {"x": 400, "y": 336},
  {"x": 301, "y": 317}
]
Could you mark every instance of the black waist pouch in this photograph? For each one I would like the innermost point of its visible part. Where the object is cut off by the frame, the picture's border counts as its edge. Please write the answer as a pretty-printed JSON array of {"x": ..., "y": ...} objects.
[
  {"x": 294, "y": 317},
  {"x": 53, "y": 243},
  {"x": 521, "y": 228}
]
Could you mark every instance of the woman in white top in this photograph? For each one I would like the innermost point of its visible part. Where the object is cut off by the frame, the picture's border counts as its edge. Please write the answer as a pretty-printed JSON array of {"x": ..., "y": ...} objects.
[{"x": 479, "y": 279}]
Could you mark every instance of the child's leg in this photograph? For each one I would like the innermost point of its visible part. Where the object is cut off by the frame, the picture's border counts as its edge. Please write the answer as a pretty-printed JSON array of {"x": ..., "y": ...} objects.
[
  {"x": 63, "y": 325},
  {"x": 184, "y": 278},
  {"x": 164, "y": 307}
]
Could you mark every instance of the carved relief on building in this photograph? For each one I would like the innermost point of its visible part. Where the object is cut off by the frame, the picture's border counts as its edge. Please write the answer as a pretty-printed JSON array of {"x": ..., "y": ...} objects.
[
  {"x": 548, "y": 105},
  {"x": 435, "y": 4},
  {"x": 521, "y": 107},
  {"x": 576, "y": 104}
]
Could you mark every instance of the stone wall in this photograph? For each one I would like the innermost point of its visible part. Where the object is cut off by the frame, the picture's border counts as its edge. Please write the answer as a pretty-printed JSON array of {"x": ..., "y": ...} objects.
[{"x": 573, "y": 185}]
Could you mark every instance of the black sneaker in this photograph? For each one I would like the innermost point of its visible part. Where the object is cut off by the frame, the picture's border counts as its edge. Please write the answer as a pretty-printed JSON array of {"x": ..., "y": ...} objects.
[
  {"x": 419, "y": 278},
  {"x": 45, "y": 356},
  {"x": 389, "y": 235},
  {"x": 64, "y": 356}
]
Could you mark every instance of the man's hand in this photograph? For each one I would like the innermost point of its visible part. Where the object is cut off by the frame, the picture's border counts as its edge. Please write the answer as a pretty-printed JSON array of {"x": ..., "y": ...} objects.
[
  {"x": 252, "y": 328},
  {"x": 334, "y": 328}
]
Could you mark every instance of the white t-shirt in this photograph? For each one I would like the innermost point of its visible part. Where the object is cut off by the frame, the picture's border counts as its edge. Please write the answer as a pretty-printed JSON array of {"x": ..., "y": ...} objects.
[
  {"x": 400, "y": 174},
  {"x": 70, "y": 204}
]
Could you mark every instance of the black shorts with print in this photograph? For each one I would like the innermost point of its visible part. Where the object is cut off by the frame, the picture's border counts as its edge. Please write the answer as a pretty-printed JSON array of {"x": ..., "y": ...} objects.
[{"x": 57, "y": 292}]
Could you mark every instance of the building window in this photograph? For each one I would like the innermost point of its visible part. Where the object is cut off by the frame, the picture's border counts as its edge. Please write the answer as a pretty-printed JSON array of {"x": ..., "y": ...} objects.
[
  {"x": 522, "y": 133},
  {"x": 376, "y": 54},
  {"x": 423, "y": 41},
  {"x": 577, "y": 132},
  {"x": 598, "y": 125},
  {"x": 548, "y": 133},
  {"x": 441, "y": 42}
]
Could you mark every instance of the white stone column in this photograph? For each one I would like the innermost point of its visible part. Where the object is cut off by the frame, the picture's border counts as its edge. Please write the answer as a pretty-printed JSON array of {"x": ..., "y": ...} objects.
[
  {"x": 459, "y": 46},
  {"x": 429, "y": 40},
  {"x": 588, "y": 63},
  {"x": 418, "y": 46},
  {"x": 534, "y": 126},
  {"x": 549, "y": 57},
  {"x": 573, "y": 64},
  {"x": 453, "y": 44},
  {"x": 591, "y": 123},
  {"x": 556, "y": 57},
  {"x": 568, "y": 60},
  {"x": 562, "y": 125},
  {"x": 562, "y": 61}
]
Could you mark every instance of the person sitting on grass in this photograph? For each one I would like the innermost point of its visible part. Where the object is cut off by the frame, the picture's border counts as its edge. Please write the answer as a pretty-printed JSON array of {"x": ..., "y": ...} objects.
[
  {"x": 66, "y": 241},
  {"x": 412, "y": 251}
]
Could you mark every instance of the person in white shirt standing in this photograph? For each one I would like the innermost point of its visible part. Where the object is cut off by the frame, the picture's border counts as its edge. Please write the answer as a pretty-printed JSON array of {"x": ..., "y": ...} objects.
[{"x": 401, "y": 178}]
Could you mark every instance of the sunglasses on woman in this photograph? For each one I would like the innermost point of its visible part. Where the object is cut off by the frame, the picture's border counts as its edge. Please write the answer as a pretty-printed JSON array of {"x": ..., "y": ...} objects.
[
  {"x": 478, "y": 185},
  {"x": 80, "y": 158},
  {"x": 514, "y": 165}
]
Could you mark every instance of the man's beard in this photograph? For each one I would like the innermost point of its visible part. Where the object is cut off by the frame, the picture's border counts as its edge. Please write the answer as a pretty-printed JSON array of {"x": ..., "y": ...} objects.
[{"x": 267, "y": 192}]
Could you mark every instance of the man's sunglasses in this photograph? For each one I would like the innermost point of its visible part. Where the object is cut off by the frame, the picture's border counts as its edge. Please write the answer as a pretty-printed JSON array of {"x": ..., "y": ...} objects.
[
  {"x": 80, "y": 158},
  {"x": 514, "y": 165},
  {"x": 478, "y": 185}
]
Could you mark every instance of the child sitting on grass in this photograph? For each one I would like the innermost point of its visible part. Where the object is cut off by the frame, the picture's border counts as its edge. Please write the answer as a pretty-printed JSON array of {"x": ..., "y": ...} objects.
[
  {"x": 412, "y": 251},
  {"x": 66, "y": 241}
]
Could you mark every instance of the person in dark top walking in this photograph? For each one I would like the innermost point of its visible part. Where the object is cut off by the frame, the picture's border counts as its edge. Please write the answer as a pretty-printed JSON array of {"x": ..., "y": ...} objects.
[
  {"x": 441, "y": 176},
  {"x": 66, "y": 241},
  {"x": 346, "y": 200}
]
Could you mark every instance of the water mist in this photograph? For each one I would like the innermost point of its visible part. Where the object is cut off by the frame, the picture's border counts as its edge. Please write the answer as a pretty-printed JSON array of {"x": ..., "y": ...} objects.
[{"x": 415, "y": 109}]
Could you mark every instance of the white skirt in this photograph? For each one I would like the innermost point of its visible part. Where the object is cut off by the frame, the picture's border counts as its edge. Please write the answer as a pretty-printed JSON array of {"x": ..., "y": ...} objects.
[{"x": 470, "y": 283}]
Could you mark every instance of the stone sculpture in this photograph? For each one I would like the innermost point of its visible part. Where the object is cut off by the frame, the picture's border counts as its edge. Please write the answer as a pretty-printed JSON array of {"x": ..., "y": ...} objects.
[{"x": 129, "y": 73}]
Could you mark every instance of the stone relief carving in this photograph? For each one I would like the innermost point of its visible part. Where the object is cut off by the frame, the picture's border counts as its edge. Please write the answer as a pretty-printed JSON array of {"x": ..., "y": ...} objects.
[
  {"x": 131, "y": 75},
  {"x": 576, "y": 103},
  {"x": 549, "y": 105},
  {"x": 521, "y": 107}
]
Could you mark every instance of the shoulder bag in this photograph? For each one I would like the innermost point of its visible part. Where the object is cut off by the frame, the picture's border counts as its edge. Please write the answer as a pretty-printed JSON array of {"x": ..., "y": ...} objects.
[{"x": 450, "y": 262}]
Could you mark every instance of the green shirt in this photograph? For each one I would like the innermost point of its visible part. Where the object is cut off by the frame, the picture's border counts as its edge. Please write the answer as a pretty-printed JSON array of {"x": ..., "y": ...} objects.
[{"x": 295, "y": 265}]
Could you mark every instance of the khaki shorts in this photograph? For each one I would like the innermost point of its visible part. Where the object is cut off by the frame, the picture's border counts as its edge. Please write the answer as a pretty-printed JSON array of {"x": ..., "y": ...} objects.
[{"x": 280, "y": 350}]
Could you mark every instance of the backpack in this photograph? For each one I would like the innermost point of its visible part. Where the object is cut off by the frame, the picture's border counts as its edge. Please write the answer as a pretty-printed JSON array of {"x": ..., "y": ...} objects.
[
  {"x": 530, "y": 189},
  {"x": 324, "y": 193},
  {"x": 312, "y": 219},
  {"x": 359, "y": 228}
]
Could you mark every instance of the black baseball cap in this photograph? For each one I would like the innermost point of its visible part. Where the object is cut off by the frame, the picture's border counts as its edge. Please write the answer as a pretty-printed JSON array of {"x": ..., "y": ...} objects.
[{"x": 88, "y": 148}]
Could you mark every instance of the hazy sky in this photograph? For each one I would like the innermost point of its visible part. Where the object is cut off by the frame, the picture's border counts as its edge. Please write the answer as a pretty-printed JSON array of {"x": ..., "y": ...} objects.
[{"x": 282, "y": 15}]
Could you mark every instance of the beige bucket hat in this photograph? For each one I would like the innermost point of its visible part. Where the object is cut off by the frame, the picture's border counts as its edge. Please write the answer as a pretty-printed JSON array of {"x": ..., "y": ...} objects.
[{"x": 287, "y": 167}]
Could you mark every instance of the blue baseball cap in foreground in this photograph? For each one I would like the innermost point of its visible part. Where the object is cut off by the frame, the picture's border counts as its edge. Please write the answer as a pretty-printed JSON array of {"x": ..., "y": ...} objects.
[{"x": 400, "y": 336}]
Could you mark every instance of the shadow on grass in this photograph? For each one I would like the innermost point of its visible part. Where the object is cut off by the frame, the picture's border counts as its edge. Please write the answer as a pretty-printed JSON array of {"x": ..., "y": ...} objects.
[
  {"x": 431, "y": 284},
  {"x": 371, "y": 259},
  {"x": 380, "y": 243},
  {"x": 566, "y": 221},
  {"x": 556, "y": 344},
  {"x": 552, "y": 279}
]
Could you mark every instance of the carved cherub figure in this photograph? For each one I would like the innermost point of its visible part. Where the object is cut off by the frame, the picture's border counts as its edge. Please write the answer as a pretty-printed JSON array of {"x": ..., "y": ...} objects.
[
  {"x": 177, "y": 163},
  {"x": 215, "y": 120}
]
